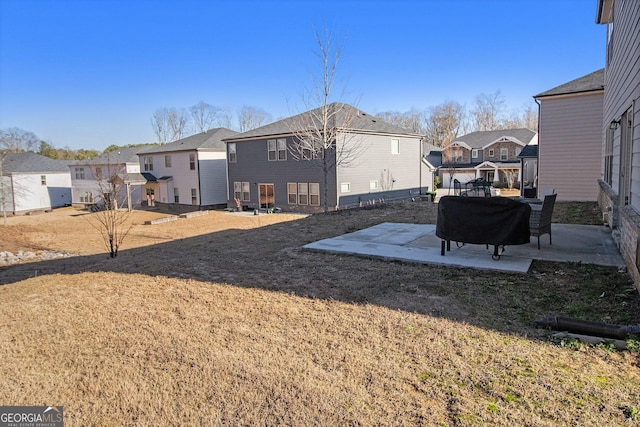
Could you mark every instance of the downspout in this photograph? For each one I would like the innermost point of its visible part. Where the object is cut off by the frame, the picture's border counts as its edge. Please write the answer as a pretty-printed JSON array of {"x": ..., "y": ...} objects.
[{"x": 536, "y": 178}]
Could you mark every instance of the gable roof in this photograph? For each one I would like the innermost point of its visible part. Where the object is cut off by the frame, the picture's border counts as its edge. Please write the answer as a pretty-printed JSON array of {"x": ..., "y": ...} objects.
[
  {"x": 209, "y": 140},
  {"x": 33, "y": 163},
  {"x": 347, "y": 118},
  {"x": 589, "y": 83},
  {"x": 481, "y": 139}
]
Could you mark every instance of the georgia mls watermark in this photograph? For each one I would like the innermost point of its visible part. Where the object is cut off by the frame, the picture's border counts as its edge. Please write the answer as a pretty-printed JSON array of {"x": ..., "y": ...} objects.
[{"x": 31, "y": 416}]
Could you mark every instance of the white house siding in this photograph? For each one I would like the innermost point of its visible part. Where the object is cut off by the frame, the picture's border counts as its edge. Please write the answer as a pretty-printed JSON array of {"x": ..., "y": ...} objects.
[
  {"x": 570, "y": 146},
  {"x": 182, "y": 178},
  {"x": 213, "y": 177},
  {"x": 29, "y": 194},
  {"x": 622, "y": 93},
  {"x": 393, "y": 172},
  {"x": 59, "y": 187}
]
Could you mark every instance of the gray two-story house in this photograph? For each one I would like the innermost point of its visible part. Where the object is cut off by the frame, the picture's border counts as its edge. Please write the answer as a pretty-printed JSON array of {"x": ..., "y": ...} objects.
[{"x": 268, "y": 169}]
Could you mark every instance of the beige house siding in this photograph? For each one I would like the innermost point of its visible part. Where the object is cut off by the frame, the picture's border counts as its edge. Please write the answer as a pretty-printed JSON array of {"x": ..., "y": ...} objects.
[{"x": 570, "y": 145}]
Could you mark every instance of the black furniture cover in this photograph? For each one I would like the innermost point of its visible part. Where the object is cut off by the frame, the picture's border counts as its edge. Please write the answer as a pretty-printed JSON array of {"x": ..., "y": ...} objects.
[{"x": 483, "y": 220}]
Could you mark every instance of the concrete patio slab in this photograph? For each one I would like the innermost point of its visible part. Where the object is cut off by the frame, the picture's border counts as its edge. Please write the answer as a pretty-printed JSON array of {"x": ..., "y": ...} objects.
[{"x": 418, "y": 243}]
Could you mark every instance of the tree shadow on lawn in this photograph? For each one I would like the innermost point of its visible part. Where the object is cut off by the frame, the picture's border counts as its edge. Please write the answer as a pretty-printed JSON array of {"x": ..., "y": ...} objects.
[{"x": 272, "y": 258}]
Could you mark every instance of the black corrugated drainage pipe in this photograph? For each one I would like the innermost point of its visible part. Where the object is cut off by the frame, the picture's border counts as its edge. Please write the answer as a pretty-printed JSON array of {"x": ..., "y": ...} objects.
[{"x": 587, "y": 327}]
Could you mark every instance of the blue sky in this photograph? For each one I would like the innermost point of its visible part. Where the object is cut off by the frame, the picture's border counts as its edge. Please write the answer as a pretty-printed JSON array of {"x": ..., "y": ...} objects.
[{"x": 90, "y": 73}]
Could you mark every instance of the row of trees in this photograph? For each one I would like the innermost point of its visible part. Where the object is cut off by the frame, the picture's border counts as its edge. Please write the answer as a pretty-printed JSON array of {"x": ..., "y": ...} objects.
[
  {"x": 439, "y": 124},
  {"x": 172, "y": 124},
  {"x": 16, "y": 140}
]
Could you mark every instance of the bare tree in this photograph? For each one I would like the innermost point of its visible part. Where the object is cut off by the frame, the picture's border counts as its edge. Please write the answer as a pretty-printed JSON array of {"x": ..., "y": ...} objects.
[
  {"x": 412, "y": 120},
  {"x": 488, "y": 111},
  {"x": 324, "y": 134},
  {"x": 527, "y": 118},
  {"x": 204, "y": 116},
  {"x": 443, "y": 123},
  {"x": 16, "y": 140},
  {"x": 169, "y": 124},
  {"x": 251, "y": 118},
  {"x": 110, "y": 219},
  {"x": 512, "y": 175}
]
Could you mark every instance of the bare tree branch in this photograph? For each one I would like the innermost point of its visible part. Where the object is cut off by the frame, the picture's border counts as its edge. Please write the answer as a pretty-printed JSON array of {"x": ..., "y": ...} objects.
[{"x": 204, "y": 116}]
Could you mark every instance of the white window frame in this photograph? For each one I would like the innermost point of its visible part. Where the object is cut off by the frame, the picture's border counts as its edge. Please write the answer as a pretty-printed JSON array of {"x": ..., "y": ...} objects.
[
  {"x": 277, "y": 149},
  {"x": 292, "y": 193},
  {"x": 194, "y": 196},
  {"x": 395, "y": 146},
  {"x": 491, "y": 152},
  {"x": 176, "y": 195},
  {"x": 237, "y": 190},
  {"x": 314, "y": 194},
  {"x": 167, "y": 161},
  {"x": 474, "y": 153},
  {"x": 233, "y": 155},
  {"x": 345, "y": 187},
  {"x": 43, "y": 179},
  {"x": 373, "y": 184},
  {"x": 192, "y": 162},
  {"x": 246, "y": 191},
  {"x": 79, "y": 173},
  {"x": 504, "y": 154},
  {"x": 303, "y": 193},
  {"x": 148, "y": 163}
]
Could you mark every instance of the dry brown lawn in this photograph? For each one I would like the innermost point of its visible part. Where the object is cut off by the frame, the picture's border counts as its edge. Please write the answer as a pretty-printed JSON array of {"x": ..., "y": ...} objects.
[{"x": 224, "y": 319}]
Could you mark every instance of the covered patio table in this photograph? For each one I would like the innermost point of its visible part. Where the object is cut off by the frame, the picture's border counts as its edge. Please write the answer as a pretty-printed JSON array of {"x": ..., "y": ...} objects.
[{"x": 497, "y": 221}]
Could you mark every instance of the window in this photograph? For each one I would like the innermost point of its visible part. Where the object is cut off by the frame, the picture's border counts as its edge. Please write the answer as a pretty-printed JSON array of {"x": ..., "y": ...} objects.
[
  {"x": 237, "y": 190},
  {"x": 491, "y": 153},
  {"x": 231, "y": 147},
  {"x": 608, "y": 158},
  {"x": 504, "y": 154},
  {"x": 192, "y": 161},
  {"x": 246, "y": 191},
  {"x": 395, "y": 146},
  {"x": 79, "y": 173},
  {"x": 167, "y": 161},
  {"x": 87, "y": 198},
  {"x": 307, "y": 150},
  {"x": 242, "y": 191},
  {"x": 277, "y": 149},
  {"x": 194, "y": 196},
  {"x": 176, "y": 196},
  {"x": 292, "y": 193},
  {"x": 43, "y": 179},
  {"x": 303, "y": 193},
  {"x": 314, "y": 194},
  {"x": 148, "y": 163},
  {"x": 99, "y": 172},
  {"x": 373, "y": 184},
  {"x": 456, "y": 156},
  {"x": 474, "y": 153},
  {"x": 345, "y": 187}
]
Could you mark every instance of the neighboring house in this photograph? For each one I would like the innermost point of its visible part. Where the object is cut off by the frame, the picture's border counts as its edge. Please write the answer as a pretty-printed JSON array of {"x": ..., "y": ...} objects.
[
  {"x": 570, "y": 152},
  {"x": 619, "y": 196},
  {"x": 265, "y": 172},
  {"x": 188, "y": 173},
  {"x": 529, "y": 167},
  {"x": 432, "y": 158},
  {"x": 88, "y": 178},
  {"x": 31, "y": 182},
  {"x": 490, "y": 155}
]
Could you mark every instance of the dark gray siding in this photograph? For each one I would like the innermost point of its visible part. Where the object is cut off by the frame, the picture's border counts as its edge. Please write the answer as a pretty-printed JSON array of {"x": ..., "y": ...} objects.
[{"x": 253, "y": 166}]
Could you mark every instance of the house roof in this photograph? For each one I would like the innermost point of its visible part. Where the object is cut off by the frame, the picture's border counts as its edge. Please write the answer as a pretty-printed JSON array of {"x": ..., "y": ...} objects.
[
  {"x": 209, "y": 140},
  {"x": 115, "y": 157},
  {"x": 531, "y": 150},
  {"x": 589, "y": 83},
  {"x": 33, "y": 163},
  {"x": 481, "y": 139},
  {"x": 347, "y": 118}
]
